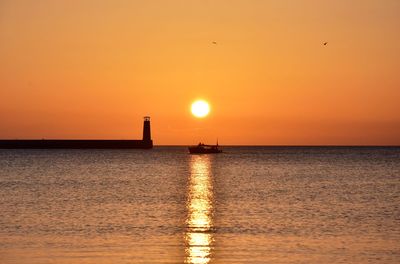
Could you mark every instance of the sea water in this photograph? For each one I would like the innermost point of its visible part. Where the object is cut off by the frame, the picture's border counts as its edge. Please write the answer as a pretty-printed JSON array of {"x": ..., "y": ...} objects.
[{"x": 246, "y": 205}]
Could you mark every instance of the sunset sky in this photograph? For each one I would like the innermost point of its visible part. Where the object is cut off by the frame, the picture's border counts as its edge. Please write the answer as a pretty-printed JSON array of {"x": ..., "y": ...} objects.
[{"x": 93, "y": 69}]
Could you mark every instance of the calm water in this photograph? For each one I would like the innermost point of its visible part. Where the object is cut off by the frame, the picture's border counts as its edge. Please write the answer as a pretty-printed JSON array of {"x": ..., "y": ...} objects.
[{"x": 248, "y": 205}]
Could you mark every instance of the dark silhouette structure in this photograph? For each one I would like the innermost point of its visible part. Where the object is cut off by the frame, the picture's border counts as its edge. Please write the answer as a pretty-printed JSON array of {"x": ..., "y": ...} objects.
[
  {"x": 146, "y": 129},
  {"x": 145, "y": 143},
  {"x": 204, "y": 149}
]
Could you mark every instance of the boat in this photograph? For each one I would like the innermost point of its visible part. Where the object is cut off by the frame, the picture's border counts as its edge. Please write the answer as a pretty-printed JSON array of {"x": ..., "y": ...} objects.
[{"x": 204, "y": 149}]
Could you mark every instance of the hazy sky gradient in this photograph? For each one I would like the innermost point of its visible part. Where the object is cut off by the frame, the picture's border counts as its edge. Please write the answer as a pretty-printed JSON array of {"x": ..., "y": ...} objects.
[{"x": 93, "y": 69}]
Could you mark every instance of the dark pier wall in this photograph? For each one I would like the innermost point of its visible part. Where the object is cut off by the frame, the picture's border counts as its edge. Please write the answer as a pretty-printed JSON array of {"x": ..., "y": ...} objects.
[
  {"x": 145, "y": 143},
  {"x": 75, "y": 144}
]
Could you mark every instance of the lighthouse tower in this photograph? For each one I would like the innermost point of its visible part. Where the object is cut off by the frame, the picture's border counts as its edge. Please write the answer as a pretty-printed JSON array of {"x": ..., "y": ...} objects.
[{"x": 146, "y": 131}]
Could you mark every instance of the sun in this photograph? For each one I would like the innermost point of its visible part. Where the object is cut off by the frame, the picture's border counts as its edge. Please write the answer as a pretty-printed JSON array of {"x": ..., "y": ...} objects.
[{"x": 200, "y": 108}]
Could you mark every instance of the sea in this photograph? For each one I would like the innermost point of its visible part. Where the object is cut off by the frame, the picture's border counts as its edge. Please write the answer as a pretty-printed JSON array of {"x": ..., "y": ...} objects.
[{"x": 245, "y": 205}]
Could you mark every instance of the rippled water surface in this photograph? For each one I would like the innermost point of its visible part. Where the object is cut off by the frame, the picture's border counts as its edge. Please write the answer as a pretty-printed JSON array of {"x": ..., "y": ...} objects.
[{"x": 247, "y": 205}]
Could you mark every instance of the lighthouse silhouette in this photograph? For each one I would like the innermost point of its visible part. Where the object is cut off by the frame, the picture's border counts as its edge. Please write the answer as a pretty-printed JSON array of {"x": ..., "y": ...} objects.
[{"x": 146, "y": 131}]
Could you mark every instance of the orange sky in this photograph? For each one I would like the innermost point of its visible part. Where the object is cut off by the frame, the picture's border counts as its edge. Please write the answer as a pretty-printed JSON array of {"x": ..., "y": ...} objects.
[{"x": 93, "y": 69}]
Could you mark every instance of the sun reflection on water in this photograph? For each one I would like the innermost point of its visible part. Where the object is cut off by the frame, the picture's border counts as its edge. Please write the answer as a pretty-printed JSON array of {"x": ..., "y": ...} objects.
[{"x": 198, "y": 236}]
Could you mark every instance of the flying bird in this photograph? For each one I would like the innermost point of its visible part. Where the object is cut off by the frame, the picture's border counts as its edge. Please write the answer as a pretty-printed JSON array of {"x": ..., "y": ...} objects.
[
  {"x": 214, "y": 42},
  {"x": 325, "y": 43}
]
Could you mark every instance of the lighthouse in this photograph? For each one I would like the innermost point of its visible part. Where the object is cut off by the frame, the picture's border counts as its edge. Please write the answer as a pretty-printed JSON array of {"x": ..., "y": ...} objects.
[{"x": 146, "y": 131}]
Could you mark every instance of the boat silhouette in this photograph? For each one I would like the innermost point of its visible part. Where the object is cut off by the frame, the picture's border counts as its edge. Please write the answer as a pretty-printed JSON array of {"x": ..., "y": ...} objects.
[{"x": 204, "y": 149}]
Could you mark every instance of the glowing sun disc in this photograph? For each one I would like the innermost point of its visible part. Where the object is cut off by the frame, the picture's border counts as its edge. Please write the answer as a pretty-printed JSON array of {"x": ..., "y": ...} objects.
[{"x": 200, "y": 108}]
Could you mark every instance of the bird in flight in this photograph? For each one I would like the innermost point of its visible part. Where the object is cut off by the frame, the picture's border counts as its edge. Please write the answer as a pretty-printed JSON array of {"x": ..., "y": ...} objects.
[
  {"x": 325, "y": 43},
  {"x": 214, "y": 42}
]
